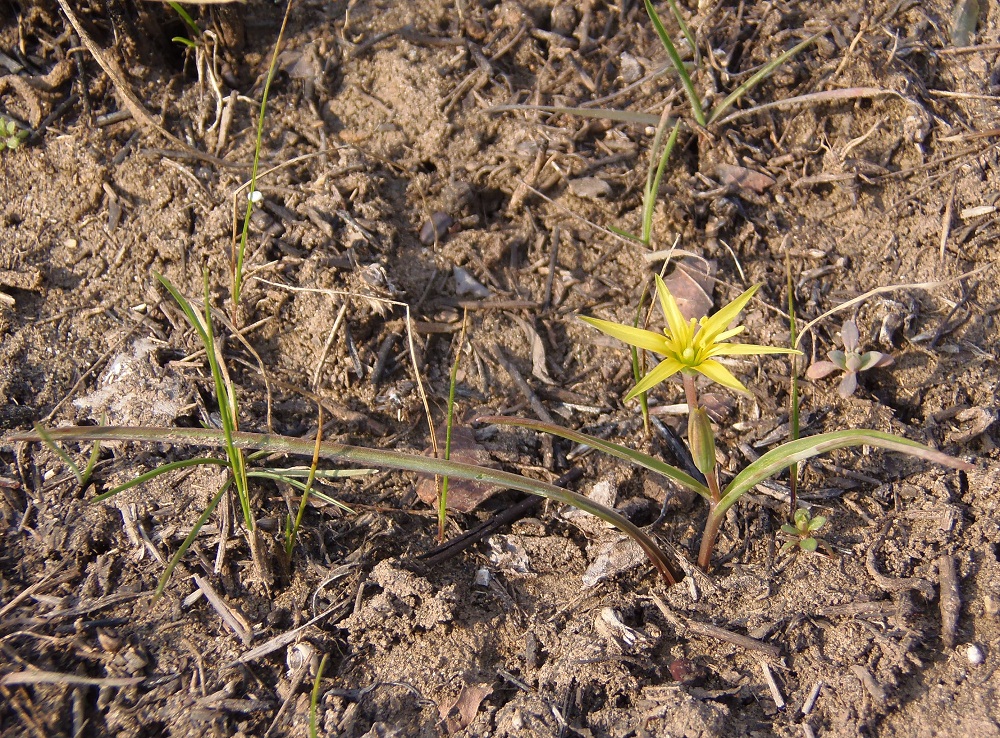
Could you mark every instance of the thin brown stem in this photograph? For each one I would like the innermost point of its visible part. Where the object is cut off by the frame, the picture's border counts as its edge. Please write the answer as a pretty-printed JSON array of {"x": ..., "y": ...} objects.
[
  {"x": 689, "y": 391},
  {"x": 709, "y": 537}
]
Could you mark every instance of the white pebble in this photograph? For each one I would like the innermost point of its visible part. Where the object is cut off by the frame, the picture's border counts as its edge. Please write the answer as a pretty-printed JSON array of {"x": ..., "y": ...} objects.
[{"x": 974, "y": 654}]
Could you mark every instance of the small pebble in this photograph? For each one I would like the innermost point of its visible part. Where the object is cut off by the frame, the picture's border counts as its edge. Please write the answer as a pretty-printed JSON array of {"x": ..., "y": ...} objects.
[
  {"x": 590, "y": 188},
  {"x": 974, "y": 654},
  {"x": 482, "y": 577},
  {"x": 435, "y": 229}
]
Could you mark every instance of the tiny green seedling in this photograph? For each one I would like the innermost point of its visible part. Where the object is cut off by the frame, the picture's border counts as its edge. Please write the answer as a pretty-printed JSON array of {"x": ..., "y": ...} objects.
[
  {"x": 11, "y": 135},
  {"x": 801, "y": 535},
  {"x": 850, "y": 361}
]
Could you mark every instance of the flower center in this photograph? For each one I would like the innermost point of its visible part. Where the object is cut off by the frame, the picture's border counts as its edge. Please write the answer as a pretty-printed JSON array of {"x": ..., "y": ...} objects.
[{"x": 687, "y": 355}]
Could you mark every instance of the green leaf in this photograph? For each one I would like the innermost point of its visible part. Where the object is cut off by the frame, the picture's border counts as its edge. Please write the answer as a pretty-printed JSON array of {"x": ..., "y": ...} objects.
[
  {"x": 808, "y": 544},
  {"x": 621, "y": 452},
  {"x": 757, "y": 78},
  {"x": 624, "y": 234},
  {"x": 816, "y": 523},
  {"x": 675, "y": 59},
  {"x": 162, "y": 469},
  {"x": 655, "y": 178},
  {"x": 369, "y": 457},
  {"x": 789, "y": 529},
  {"x": 199, "y": 524},
  {"x": 783, "y": 456}
]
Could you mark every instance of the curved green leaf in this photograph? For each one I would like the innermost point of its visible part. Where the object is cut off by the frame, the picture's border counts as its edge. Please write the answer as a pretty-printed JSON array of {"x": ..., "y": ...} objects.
[
  {"x": 757, "y": 78},
  {"x": 785, "y": 455},
  {"x": 621, "y": 452},
  {"x": 369, "y": 457},
  {"x": 675, "y": 59}
]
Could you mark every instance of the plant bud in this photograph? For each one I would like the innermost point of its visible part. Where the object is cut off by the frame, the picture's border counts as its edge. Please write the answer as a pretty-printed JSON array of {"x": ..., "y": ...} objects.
[{"x": 701, "y": 439}]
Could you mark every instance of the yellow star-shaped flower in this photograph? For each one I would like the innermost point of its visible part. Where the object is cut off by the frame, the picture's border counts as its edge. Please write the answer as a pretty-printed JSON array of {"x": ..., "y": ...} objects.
[{"x": 689, "y": 346}]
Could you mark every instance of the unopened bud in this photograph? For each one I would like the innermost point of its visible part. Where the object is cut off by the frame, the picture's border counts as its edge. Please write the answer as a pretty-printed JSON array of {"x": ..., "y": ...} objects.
[{"x": 701, "y": 439}]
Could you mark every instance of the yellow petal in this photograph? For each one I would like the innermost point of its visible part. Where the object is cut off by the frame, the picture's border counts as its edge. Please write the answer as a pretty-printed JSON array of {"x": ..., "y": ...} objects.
[
  {"x": 665, "y": 369},
  {"x": 721, "y": 320},
  {"x": 718, "y": 373},
  {"x": 748, "y": 349},
  {"x": 680, "y": 329},
  {"x": 633, "y": 336},
  {"x": 726, "y": 335}
]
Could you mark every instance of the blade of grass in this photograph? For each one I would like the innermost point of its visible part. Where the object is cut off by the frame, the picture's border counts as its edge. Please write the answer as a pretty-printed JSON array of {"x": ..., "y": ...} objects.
[
  {"x": 654, "y": 180},
  {"x": 675, "y": 58},
  {"x": 370, "y": 457},
  {"x": 613, "y": 449},
  {"x": 199, "y": 524},
  {"x": 757, "y": 78},
  {"x": 277, "y": 476},
  {"x": 686, "y": 30},
  {"x": 793, "y": 390},
  {"x": 782, "y": 457},
  {"x": 162, "y": 469},
  {"x": 258, "y": 145},
  {"x": 186, "y": 17},
  {"x": 624, "y": 234},
  {"x": 304, "y": 499},
  {"x": 314, "y": 697},
  {"x": 225, "y": 395},
  {"x": 443, "y": 497},
  {"x": 66, "y": 458}
]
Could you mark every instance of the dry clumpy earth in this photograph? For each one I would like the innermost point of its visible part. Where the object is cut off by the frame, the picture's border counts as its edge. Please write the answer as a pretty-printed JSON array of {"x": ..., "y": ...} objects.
[{"x": 398, "y": 180}]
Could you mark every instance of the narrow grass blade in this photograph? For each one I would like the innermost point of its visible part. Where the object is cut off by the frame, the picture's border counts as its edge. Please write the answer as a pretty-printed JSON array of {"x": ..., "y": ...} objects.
[
  {"x": 811, "y": 98},
  {"x": 452, "y": 380},
  {"x": 296, "y": 472},
  {"x": 224, "y": 392},
  {"x": 186, "y": 17},
  {"x": 95, "y": 455},
  {"x": 653, "y": 183},
  {"x": 624, "y": 234},
  {"x": 757, "y": 78},
  {"x": 685, "y": 29},
  {"x": 277, "y": 476},
  {"x": 314, "y": 697},
  {"x": 789, "y": 453},
  {"x": 613, "y": 449},
  {"x": 621, "y": 116},
  {"x": 162, "y": 469},
  {"x": 199, "y": 524},
  {"x": 258, "y": 145},
  {"x": 675, "y": 59},
  {"x": 44, "y": 436},
  {"x": 304, "y": 500},
  {"x": 370, "y": 457},
  {"x": 793, "y": 389}
]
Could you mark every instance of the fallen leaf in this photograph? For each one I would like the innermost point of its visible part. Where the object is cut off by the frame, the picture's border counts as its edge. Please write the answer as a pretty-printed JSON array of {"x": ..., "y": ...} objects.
[
  {"x": 691, "y": 285},
  {"x": 460, "y": 714},
  {"x": 743, "y": 178},
  {"x": 538, "y": 367},
  {"x": 463, "y": 495}
]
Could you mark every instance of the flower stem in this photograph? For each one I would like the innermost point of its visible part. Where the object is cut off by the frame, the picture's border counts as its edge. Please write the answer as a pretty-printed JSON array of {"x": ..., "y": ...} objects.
[{"x": 708, "y": 538}]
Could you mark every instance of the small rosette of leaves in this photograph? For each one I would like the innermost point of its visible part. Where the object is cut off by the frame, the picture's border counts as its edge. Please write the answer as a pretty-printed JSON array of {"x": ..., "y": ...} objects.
[
  {"x": 850, "y": 361},
  {"x": 800, "y": 535},
  {"x": 10, "y": 135}
]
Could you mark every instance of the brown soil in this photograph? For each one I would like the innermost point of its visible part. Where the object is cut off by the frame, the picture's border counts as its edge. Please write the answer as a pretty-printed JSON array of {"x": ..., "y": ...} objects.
[{"x": 389, "y": 104}]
